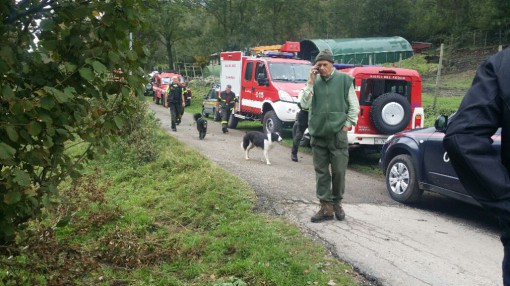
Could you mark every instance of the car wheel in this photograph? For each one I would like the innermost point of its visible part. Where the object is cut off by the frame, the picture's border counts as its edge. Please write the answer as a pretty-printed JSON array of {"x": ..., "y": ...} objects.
[
  {"x": 272, "y": 123},
  {"x": 390, "y": 113},
  {"x": 401, "y": 180}
]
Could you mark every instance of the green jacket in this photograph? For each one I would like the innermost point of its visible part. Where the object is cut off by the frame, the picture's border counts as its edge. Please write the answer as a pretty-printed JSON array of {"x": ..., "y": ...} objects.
[{"x": 329, "y": 105}]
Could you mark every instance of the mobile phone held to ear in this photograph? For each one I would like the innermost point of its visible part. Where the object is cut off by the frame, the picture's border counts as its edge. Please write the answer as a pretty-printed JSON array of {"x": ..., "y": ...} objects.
[{"x": 315, "y": 70}]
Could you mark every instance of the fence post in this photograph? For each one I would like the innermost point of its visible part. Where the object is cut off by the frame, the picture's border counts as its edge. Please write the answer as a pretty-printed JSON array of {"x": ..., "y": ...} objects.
[{"x": 438, "y": 76}]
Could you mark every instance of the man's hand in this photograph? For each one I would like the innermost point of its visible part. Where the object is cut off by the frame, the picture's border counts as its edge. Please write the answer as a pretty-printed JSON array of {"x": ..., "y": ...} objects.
[
  {"x": 313, "y": 74},
  {"x": 345, "y": 128}
]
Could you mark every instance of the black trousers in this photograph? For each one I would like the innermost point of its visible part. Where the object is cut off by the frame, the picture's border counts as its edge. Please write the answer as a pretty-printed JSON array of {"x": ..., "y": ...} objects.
[
  {"x": 225, "y": 113},
  {"x": 298, "y": 129},
  {"x": 175, "y": 112}
]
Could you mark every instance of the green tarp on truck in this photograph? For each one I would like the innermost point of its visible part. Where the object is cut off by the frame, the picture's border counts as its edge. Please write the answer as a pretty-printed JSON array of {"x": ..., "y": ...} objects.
[{"x": 359, "y": 51}]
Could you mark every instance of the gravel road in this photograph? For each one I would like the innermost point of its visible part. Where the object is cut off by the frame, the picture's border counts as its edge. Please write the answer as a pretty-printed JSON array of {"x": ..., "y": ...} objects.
[{"x": 437, "y": 242}]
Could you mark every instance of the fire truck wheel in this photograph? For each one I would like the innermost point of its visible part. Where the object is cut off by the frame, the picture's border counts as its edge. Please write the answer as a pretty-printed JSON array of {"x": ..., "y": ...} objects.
[
  {"x": 232, "y": 121},
  {"x": 217, "y": 116},
  {"x": 271, "y": 122},
  {"x": 390, "y": 113}
]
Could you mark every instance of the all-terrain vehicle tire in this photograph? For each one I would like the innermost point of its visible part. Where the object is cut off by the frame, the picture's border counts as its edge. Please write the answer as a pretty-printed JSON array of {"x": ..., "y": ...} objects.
[{"x": 390, "y": 113}]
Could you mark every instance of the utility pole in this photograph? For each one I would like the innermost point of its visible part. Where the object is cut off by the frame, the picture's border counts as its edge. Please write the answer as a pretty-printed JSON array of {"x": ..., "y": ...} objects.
[{"x": 438, "y": 76}]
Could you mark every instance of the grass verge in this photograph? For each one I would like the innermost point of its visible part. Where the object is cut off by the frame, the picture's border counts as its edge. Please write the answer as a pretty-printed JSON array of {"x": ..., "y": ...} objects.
[{"x": 174, "y": 220}]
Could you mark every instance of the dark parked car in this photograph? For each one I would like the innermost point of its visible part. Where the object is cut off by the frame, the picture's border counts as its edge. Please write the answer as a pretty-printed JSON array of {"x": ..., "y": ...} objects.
[
  {"x": 209, "y": 103},
  {"x": 415, "y": 161}
]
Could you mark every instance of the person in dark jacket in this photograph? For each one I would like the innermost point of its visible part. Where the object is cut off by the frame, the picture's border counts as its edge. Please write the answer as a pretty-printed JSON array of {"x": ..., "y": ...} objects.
[
  {"x": 483, "y": 173},
  {"x": 226, "y": 105},
  {"x": 298, "y": 130},
  {"x": 175, "y": 100}
]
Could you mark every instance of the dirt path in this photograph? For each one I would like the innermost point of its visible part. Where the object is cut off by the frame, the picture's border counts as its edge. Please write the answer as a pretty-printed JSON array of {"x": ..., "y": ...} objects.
[{"x": 385, "y": 241}]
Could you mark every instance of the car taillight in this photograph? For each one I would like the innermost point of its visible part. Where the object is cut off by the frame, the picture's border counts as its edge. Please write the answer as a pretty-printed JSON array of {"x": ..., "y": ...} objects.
[{"x": 417, "y": 121}]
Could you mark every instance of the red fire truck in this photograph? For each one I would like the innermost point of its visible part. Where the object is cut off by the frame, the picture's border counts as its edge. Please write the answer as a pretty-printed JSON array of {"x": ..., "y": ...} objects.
[{"x": 268, "y": 85}]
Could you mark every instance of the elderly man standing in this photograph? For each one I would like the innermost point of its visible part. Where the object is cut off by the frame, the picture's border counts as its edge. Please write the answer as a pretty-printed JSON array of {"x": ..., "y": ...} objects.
[{"x": 333, "y": 110}]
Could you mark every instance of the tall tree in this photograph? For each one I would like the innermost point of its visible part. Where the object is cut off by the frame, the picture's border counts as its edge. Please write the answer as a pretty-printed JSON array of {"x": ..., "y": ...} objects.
[
  {"x": 172, "y": 24},
  {"x": 61, "y": 92}
]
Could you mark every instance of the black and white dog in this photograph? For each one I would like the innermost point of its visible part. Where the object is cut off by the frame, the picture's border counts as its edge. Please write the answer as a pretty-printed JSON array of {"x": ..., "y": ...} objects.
[
  {"x": 201, "y": 125},
  {"x": 259, "y": 139}
]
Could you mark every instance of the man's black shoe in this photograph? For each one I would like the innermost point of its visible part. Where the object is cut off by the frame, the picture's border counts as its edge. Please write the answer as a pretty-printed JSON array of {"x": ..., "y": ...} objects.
[
  {"x": 294, "y": 157},
  {"x": 174, "y": 129}
]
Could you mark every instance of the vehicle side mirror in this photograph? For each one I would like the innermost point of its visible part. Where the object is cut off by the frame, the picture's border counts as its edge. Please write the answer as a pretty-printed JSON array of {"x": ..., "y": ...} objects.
[
  {"x": 205, "y": 96},
  {"x": 441, "y": 123}
]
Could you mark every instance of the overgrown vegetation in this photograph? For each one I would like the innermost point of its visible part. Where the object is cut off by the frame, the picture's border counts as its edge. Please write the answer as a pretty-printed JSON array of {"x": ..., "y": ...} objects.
[
  {"x": 72, "y": 87},
  {"x": 172, "y": 220}
]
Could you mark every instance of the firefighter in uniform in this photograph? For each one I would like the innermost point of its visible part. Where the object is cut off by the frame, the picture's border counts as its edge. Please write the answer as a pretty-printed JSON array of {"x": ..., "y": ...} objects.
[
  {"x": 226, "y": 104},
  {"x": 483, "y": 172},
  {"x": 175, "y": 100}
]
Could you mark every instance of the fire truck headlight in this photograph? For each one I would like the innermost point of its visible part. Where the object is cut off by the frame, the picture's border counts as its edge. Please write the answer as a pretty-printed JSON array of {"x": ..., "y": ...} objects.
[{"x": 285, "y": 96}]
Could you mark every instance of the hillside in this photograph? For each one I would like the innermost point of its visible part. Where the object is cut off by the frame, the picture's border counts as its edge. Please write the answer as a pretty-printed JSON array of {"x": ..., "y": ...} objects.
[{"x": 459, "y": 67}]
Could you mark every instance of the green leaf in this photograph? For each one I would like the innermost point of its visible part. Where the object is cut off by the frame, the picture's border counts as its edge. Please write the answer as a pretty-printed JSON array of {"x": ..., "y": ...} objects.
[
  {"x": 7, "y": 55},
  {"x": 11, "y": 132},
  {"x": 99, "y": 67},
  {"x": 12, "y": 197},
  {"x": 87, "y": 74},
  {"x": 22, "y": 178},
  {"x": 64, "y": 221},
  {"x": 17, "y": 108},
  {"x": 48, "y": 143},
  {"x": 6, "y": 151},
  {"x": 47, "y": 24},
  {"x": 70, "y": 67},
  {"x": 132, "y": 55},
  {"x": 7, "y": 92},
  {"x": 119, "y": 121},
  {"x": 60, "y": 96},
  {"x": 34, "y": 128},
  {"x": 69, "y": 92},
  {"x": 114, "y": 57},
  {"x": 47, "y": 102}
]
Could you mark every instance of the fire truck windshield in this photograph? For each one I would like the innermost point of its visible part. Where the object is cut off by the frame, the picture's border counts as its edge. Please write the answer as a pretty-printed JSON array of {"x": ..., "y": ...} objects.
[
  {"x": 292, "y": 72},
  {"x": 166, "y": 80}
]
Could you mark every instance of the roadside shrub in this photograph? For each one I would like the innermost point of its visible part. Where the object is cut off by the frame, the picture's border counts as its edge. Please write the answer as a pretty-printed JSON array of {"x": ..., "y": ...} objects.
[
  {"x": 418, "y": 63},
  {"x": 138, "y": 141}
]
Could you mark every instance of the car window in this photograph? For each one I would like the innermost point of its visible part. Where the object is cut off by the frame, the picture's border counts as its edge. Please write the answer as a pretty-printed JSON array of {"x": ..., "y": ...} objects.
[
  {"x": 372, "y": 88},
  {"x": 166, "y": 80}
]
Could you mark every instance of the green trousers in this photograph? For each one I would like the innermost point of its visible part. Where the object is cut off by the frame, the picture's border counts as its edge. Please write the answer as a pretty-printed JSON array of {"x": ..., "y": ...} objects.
[{"x": 330, "y": 158}]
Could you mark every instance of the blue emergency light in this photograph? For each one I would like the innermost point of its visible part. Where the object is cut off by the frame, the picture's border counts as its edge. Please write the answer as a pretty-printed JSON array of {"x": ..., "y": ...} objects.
[{"x": 279, "y": 55}]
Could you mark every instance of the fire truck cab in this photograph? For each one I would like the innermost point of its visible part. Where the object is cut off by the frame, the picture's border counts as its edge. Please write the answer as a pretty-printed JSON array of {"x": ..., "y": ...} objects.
[{"x": 267, "y": 85}]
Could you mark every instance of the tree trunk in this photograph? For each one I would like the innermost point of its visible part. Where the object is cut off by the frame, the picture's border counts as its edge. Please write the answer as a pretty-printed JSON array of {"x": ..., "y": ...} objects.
[{"x": 170, "y": 55}]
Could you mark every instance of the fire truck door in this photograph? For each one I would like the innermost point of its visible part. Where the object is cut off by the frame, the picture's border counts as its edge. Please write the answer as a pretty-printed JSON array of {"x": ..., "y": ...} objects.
[{"x": 248, "y": 87}]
